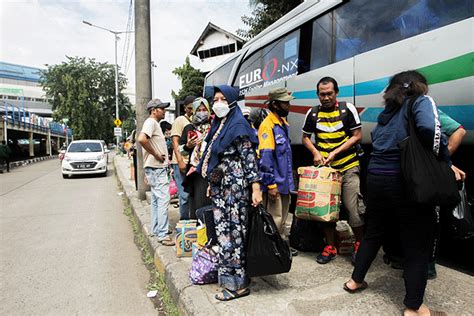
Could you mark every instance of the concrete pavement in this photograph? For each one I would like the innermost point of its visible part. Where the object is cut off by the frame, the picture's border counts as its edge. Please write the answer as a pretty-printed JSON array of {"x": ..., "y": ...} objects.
[{"x": 308, "y": 289}]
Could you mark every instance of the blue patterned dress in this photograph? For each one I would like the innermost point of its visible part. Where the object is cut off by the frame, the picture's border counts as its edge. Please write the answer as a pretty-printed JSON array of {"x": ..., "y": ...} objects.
[{"x": 230, "y": 184}]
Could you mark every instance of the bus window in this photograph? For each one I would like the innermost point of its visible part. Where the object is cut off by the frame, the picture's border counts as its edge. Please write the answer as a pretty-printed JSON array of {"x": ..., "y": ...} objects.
[
  {"x": 358, "y": 26},
  {"x": 321, "y": 43},
  {"x": 276, "y": 61},
  {"x": 221, "y": 75}
]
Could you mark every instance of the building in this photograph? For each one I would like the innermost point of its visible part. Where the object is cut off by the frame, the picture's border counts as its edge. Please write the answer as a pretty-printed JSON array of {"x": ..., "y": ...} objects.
[
  {"x": 19, "y": 86},
  {"x": 214, "y": 46}
]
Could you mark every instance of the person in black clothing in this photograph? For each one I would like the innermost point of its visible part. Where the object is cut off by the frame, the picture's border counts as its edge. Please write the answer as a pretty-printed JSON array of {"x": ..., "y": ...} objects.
[
  {"x": 192, "y": 144},
  {"x": 386, "y": 192}
]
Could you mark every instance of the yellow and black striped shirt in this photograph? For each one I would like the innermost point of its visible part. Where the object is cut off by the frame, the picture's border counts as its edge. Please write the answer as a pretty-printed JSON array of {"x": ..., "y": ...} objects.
[{"x": 330, "y": 132}]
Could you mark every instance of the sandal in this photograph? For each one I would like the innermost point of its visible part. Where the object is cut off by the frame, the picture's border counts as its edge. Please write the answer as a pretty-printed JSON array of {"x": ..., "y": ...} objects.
[
  {"x": 437, "y": 313},
  {"x": 360, "y": 288},
  {"x": 228, "y": 295},
  {"x": 166, "y": 241}
]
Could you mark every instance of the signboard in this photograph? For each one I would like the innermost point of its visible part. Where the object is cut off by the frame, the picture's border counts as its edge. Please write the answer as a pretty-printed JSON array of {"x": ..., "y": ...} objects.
[
  {"x": 7, "y": 90},
  {"x": 118, "y": 131},
  {"x": 117, "y": 122}
]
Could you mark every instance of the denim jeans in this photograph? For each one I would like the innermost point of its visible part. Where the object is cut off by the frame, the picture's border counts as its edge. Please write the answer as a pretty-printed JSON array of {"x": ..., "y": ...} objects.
[
  {"x": 183, "y": 195},
  {"x": 159, "y": 182}
]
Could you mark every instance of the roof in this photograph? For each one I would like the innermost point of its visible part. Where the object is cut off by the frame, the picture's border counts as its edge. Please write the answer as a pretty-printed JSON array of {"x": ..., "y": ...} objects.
[
  {"x": 19, "y": 72},
  {"x": 210, "y": 28}
]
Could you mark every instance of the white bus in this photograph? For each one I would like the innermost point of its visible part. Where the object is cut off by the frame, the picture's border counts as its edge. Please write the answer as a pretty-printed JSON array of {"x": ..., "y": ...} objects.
[{"x": 361, "y": 43}]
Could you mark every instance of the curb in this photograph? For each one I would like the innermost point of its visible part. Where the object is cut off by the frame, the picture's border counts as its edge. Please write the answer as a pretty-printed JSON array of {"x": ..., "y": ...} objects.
[
  {"x": 190, "y": 299},
  {"x": 20, "y": 163}
]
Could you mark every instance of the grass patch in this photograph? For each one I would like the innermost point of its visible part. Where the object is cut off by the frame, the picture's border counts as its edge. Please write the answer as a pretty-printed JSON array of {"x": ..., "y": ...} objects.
[{"x": 163, "y": 301}]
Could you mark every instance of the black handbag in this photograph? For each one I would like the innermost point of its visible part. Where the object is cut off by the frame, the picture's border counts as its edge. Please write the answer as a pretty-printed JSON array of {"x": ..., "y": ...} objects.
[
  {"x": 267, "y": 253},
  {"x": 428, "y": 180}
]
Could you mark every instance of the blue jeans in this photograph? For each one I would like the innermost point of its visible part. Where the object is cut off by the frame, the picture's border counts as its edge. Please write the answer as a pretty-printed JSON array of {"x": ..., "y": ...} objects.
[
  {"x": 183, "y": 196},
  {"x": 159, "y": 182}
]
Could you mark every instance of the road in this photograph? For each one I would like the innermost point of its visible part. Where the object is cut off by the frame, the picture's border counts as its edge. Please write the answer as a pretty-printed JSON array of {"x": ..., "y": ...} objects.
[{"x": 66, "y": 246}]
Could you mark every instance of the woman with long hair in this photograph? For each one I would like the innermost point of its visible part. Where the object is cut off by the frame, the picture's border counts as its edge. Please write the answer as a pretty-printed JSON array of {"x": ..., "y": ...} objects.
[
  {"x": 229, "y": 163},
  {"x": 386, "y": 193}
]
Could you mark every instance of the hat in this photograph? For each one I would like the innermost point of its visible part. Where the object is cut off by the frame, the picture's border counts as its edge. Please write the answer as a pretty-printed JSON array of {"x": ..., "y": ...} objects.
[
  {"x": 189, "y": 99},
  {"x": 279, "y": 94},
  {"x": 197, "y": 103},
  {"x": 156, "y": 103}
]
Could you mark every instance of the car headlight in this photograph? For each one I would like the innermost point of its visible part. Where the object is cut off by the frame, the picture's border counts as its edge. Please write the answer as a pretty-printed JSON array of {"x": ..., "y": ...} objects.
[
  {"x": 67, "y": 158},
  {"x": 100, "y": 157}
]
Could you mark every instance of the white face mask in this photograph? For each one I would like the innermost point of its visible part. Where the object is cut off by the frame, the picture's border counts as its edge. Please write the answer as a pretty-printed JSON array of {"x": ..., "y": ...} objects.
[{"x": 221, "y": 109}]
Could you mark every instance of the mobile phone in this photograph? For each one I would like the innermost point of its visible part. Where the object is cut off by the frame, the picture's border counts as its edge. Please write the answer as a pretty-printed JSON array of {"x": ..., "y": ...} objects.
[{"x": 192, "y": 134}]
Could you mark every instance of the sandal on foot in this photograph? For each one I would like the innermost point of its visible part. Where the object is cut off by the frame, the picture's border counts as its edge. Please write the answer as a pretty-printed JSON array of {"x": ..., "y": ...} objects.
[
  {"x": 228, "y": 295},
  {"x": 167, "y": 241},
  {"x": 437, "y": 313},
  {"x": 360, "y": 288}
]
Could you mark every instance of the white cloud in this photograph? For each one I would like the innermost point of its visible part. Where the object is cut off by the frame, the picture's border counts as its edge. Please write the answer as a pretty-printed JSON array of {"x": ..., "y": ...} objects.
[{"x": 41, "y": 32}]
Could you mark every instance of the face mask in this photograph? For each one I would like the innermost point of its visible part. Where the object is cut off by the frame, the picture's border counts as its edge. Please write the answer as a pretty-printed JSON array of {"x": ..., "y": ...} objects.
[
  {"x": 221, "y": 109},
  {"x": 281, "y": 112},
  {"x": 200, "y": 118}
]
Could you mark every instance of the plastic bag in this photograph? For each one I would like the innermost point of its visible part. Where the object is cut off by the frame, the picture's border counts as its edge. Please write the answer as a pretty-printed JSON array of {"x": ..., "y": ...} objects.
[
  {"x": 463, "y": 225},
  {"x": 204, "y": 266}
]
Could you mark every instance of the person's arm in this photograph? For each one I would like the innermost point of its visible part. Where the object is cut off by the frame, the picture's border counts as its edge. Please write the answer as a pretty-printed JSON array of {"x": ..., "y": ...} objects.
[
  {"x": 250, "y": 168},
  {"x": 309, "y": 127},
  {"x": 144, "y": 140},
  {"x": 453, "y": 130},
  {"x": 266, "y": 149},
  {"x": 455, "y": 140},
  {"x": 352, "y": 141},
  {"x": 176, "y": 132}
]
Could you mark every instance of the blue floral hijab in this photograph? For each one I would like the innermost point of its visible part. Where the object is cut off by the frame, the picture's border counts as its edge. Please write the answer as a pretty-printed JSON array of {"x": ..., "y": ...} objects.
[{"x": 234, "y": 127}]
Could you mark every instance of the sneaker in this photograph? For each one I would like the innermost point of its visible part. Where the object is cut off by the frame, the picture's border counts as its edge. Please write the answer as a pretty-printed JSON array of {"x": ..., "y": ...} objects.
[
  {"x": 354, "y": 254},
  {"x": 294, "y": 252},
  {"x": 327, "y": 255}
]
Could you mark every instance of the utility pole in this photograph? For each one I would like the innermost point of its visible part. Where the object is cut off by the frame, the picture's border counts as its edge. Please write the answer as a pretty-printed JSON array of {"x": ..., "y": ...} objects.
[{"x": 142, "y": 79}]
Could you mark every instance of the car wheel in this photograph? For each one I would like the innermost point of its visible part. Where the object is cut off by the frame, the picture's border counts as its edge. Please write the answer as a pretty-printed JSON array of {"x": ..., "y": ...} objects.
[
  {"x": 105, "y": 173},
  {"x": 65, "y": 176}
]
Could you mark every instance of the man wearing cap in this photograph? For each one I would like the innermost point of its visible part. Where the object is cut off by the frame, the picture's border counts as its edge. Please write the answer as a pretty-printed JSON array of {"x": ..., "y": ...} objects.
[
  {"x": 275, "y": 158},
  {"x": 155, "y": 162},
  {"x": 178, "y": 161}
]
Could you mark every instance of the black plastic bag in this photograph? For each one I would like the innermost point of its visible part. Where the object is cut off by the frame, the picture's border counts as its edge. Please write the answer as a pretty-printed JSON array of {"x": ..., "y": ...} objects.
[
  {"x": 429, "y": 180},
  {"x": 306, "y": 235},
  {"x": 267, "y": 253},
  {"x": 463, "y": 225}
]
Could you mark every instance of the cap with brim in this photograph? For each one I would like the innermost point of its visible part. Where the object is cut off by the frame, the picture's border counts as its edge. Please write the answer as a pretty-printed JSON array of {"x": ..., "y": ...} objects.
[
  {"x": 156, "y": 103},
  {"x": 279, "y": 94}
]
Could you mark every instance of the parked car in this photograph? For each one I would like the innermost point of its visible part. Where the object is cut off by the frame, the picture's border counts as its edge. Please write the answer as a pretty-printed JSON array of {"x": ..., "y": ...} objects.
[{"x": 85, "y": 157}]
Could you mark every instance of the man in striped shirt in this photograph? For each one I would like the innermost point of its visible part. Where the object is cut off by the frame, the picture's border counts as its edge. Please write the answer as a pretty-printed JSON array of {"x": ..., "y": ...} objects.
[{"x": 337, "y": 129}]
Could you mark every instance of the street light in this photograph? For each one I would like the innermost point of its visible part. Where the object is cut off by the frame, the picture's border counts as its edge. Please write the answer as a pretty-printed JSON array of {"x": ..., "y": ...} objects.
[
  {"x": 153, "y": 65},
  {"x": 116, "y": 65}
]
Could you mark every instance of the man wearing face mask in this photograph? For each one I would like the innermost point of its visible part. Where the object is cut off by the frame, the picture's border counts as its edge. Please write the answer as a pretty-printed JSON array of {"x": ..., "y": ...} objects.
[{"x": 275, "y": 158}]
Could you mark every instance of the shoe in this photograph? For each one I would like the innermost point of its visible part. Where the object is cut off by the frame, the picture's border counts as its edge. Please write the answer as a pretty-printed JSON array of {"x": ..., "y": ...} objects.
[
  {"x": 227, "y": 295},
  {"x": 167, "y": 241},
  {"x": 354, "y": 254},
  {"x": 361, "y": 287},
  {"x": 432, "y": 271},
  {"x": 396, "y": 263},
  {"x": 294, "y": 252},
  {"x": 327, "y": 255}
]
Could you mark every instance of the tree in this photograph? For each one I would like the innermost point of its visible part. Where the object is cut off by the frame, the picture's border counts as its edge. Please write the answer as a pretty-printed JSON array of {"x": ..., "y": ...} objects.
[
  {"x": 192, "y": 81},
  {"x": 264, "y": 13},
  {"x": 83, "y": 91}
]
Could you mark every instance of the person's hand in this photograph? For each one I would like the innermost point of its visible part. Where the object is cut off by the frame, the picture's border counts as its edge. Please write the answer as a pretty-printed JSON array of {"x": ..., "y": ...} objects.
[
  {"x": 256, "y": 195},
  {"x": 160, "y": 158},
  {"x": 329, "y": 159},
  {"x": 208, "y": 191},
  {"x": 458, "y": 173},
  {"x": 318, "y": 159},
  {"x": 193, "y": 141},
  {"x": 182, "y": 166},
  {"x": 273, "y": 194}
]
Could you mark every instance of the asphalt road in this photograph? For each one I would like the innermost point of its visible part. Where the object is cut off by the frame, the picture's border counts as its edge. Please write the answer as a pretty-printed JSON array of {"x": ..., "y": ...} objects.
[{"x": 66, "y": 247}]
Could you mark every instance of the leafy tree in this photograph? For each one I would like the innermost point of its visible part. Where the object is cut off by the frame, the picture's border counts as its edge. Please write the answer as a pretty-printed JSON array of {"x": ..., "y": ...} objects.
[
  {"x": 192, "y": 81},
  {"x": 83, "y": 91},
  {"x": 264, "y": 13}
]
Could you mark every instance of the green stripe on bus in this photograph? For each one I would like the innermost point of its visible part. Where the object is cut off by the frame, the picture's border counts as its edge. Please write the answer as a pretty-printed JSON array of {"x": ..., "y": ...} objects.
[{"x": 451, "y": 69}]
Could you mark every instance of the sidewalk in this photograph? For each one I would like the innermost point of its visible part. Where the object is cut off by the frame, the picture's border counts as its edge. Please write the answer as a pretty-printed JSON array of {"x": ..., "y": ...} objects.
[{"x": 308, "y": 289}]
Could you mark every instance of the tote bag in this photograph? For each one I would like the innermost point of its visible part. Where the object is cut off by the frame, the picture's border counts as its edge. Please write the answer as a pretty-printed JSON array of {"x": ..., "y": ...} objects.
[
  {"x": 429, "y": 180},
  {"x": 267, "y": 253}
]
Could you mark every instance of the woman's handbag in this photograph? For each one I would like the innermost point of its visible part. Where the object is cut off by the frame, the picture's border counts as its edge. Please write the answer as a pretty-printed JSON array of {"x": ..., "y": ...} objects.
[
  {"x": 428, "y": 180},
  {"x": 204, "y": 266},
  {"x": 267, "y": 253}
]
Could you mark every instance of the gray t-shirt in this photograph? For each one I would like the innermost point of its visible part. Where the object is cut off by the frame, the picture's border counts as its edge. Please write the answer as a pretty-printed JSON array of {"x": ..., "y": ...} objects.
[{"x": 157, "y": 140}]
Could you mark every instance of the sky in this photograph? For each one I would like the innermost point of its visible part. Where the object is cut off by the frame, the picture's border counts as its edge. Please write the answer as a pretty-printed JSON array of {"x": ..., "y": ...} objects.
[{"x": 38, "y": 32}]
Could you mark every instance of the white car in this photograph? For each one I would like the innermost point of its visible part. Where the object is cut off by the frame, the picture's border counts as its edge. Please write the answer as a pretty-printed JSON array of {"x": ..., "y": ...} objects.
[{"x": 85, "y": 157}]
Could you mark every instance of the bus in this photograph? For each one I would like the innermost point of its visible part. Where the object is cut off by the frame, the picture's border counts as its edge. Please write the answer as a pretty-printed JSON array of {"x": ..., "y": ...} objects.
[{"x": 361, "y": 43}]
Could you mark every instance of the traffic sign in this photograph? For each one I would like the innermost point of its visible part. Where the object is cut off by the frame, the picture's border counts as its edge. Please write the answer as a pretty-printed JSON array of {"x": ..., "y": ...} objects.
[
  {"x": 118, "y": 131},
  {"x": 117, "y": 122}
]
